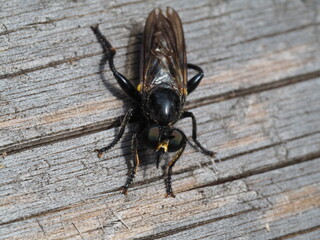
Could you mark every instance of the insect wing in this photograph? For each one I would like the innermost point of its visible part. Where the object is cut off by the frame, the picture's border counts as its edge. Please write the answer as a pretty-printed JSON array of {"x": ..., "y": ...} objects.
[{"x": 163, "y": 53}]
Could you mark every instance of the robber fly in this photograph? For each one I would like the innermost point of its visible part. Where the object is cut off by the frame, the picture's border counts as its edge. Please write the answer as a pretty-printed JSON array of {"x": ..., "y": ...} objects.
[{"x": 161, "y": 93}]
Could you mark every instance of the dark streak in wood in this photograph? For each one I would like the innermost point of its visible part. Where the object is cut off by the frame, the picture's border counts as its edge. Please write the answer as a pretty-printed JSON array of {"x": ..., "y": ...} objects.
[
  {"x": 185, "y": 228},
  {"x": 255, "y": 89},
  {"x": 49, "y": 65},
  {"x": 298, "y": 233},
  {"x": 275, "y": 34}
]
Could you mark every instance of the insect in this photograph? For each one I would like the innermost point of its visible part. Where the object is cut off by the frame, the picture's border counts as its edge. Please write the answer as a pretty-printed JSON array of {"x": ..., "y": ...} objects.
[{"x": 161, "y": 93}]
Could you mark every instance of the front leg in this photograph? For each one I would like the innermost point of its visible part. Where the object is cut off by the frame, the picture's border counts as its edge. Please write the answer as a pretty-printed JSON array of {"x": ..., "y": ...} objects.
[
  {"x": 136, "y": 162},
  {"x": 194, "y": 133},
  {"x": 117, "y": 138},
  {"x": 170, "y": 165},
  {"x": 109, "y": 51}
]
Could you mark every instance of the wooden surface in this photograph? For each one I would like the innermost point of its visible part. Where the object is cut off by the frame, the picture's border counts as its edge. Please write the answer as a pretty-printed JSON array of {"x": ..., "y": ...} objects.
[{"x": 257, "y": 107}]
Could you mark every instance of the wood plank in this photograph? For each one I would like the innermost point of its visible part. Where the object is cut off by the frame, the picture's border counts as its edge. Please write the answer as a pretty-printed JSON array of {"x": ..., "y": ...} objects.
[
  {"x": 240, "y": 205},
  {"x": 257, "y": 107},
  {"x": 274, "y": 212},
  {"x": 55, "y": 92},
  {"x": 59, "y": 188}
]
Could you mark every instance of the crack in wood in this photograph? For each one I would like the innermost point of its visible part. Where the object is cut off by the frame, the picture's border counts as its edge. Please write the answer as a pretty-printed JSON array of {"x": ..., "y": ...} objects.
[
  {"x": 51, "y": 64},
  {"x": 306, "y": 158},
  {"x": 276, "y": 34},
  {"x": 193, "y": 225},
  {"x": 295, "y": 234},
  {"x": 268, "y": 146},
  {"x": 35, "y": 215},
  {"x": 254, "y": 89},
  {"x": 184, "y": 228},
  {"x": 59, "y": 136}
]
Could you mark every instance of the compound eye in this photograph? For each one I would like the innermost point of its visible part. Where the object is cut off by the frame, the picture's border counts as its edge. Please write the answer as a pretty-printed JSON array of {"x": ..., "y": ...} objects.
[
  {"x": 150, "y": 136},
  {"x": 177, "y": 140}
]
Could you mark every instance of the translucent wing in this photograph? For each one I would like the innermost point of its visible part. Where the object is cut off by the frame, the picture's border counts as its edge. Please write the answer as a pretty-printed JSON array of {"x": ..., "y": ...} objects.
[{"x": 163, "y": 59}]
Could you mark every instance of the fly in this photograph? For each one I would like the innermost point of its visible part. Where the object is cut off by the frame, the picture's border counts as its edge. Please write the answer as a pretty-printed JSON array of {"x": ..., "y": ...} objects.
[{"x": 161, "y": 93}]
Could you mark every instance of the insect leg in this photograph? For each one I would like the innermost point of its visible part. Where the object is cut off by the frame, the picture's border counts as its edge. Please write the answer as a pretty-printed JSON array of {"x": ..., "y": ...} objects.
[
  {"x": 194, "y": 133},
  {"x": 195, "y": 80},
  {"x": 136, "y": 161},
  {"x": 117, "y": 138},
  {"x": 109, "y": 52},
  {"x": 170, "y": 165}
]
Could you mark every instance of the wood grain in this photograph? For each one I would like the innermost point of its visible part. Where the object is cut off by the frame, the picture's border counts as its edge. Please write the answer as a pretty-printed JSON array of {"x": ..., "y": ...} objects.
[{"x": 257, "y": 107}]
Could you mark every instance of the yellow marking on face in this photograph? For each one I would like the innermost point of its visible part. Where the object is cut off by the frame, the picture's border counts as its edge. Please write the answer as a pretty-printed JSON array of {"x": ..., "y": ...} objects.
[
  {"x": 184, "y": 91},
  {"x": 163, "y": 145},
  {"x": 139, "y": 87}
]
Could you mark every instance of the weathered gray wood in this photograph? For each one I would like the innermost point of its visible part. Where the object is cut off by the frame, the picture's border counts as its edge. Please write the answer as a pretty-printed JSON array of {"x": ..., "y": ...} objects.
[
  {"x": 49, "y": 66},
  {"x": 258, "y": 107},
  {"x": 66, "y": 180}
]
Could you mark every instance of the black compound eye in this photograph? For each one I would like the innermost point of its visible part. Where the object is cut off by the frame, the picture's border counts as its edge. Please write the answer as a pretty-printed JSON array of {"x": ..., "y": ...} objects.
[
  {"x": 150, "y": 136},
  {"x": 176, "y": 140}
]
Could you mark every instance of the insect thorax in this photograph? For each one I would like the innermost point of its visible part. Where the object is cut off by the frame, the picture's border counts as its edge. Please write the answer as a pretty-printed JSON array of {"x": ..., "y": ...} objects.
[{"x": 162, "y": 104}]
